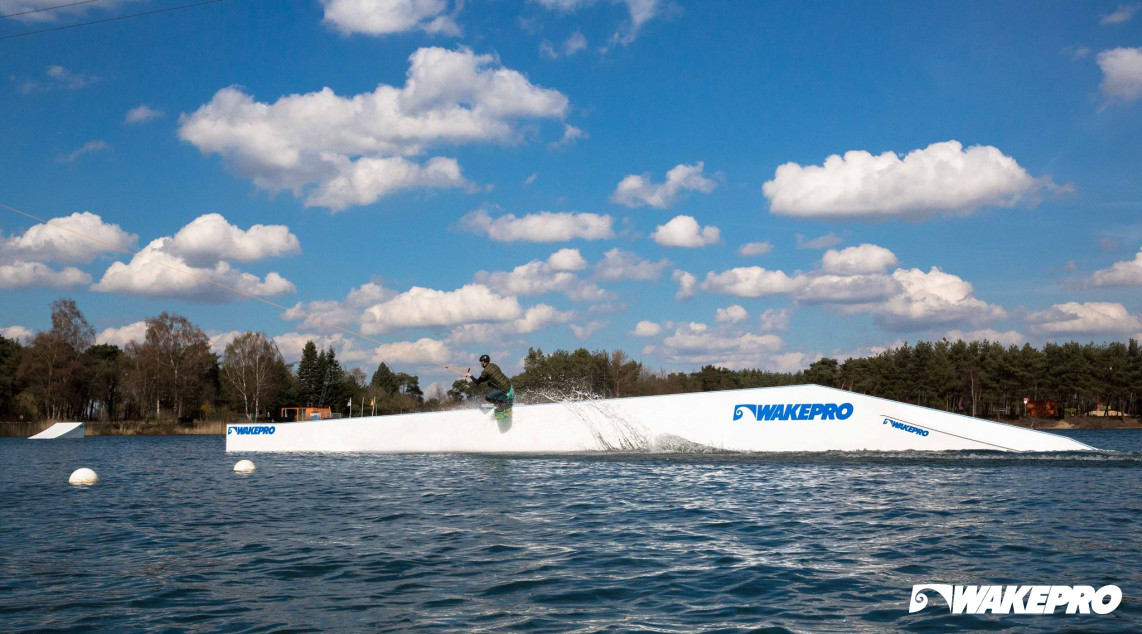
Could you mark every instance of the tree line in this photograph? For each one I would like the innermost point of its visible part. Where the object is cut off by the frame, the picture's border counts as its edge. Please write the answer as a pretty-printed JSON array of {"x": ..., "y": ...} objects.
[
  {"x": 978, "y": 378},
  {"x": 172, "y": 374}
]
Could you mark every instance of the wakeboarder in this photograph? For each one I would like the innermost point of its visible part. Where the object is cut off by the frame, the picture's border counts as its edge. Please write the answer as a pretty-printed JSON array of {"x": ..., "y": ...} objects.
[{"x": 502, "y": 395}]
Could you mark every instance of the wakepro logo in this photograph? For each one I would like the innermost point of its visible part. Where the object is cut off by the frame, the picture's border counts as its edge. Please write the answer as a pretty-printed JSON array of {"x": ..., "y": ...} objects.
[
  {"x": 1019, "y": 599},
  {"x": 251, "y": 430},
  {"x": 795, "y": 411},
  {"x": 905, "y": 427}
]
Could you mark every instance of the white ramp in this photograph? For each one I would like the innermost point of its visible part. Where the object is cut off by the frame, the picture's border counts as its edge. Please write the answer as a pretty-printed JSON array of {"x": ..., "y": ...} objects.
[
  {"x": 795, "y": 418},
  {"x": 60, "y": 430}
]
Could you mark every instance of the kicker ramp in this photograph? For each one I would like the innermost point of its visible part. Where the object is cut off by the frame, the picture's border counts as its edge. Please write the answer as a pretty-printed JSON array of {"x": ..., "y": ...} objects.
[{"x": 805, "y": 418}]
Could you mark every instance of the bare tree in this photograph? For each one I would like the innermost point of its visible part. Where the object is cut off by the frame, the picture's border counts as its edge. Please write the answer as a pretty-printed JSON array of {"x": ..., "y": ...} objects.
[
  {"x": 249, "y": 366},
  {"x": 53, "y": 367},
  {"x": 172, "y": 363},
  {"x": 70, "y": 326}
]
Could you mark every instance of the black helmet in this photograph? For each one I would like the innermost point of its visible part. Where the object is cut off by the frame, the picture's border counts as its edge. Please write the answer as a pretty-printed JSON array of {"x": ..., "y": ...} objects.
[{"x": 485, "y": 359}]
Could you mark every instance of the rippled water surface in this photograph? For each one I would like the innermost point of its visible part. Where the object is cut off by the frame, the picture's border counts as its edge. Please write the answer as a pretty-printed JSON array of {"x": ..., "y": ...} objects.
[{"x": 172, "y": 539}]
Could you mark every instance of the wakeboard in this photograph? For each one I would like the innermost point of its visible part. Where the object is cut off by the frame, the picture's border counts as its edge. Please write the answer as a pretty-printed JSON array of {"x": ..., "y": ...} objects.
[{"x": 497, "y": 413}]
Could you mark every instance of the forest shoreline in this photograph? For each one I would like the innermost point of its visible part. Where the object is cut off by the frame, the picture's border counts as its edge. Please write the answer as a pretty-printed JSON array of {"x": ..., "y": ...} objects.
[{"x": 218, "y": 428}]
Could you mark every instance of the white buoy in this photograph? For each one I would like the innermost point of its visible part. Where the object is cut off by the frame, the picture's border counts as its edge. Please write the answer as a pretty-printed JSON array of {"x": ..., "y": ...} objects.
[
  {"x": 83, "y": 476},
  {"x": 244, "y": 466}
]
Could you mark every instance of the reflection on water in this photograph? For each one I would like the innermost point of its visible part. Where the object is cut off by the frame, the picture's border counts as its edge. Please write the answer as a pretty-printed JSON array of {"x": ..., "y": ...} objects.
[{"x": 172, "y": 538}]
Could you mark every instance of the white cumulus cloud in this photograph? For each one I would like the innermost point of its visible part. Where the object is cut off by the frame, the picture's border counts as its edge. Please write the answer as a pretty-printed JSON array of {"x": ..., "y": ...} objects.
[
  {"x": 687, "y": 284},
  {"x": 328, "y": 148},
  {"x": 209, "y": 239},
  {"x": 730, "y": 314},
  {"x": 123, "y": 335},
  {"x": 866, "y": 258},
  {"x": 154, "y": 272},
  {"x": 535, "y": 318},
  {"x": 385, "y": 17},
  {"x": 750, "y": 281},
  {"x": 20, "y": 275},
  {"x": 1122, "y": 73},
  {"x": 1007, "y": 338},
  {"x": 567, "y": 260},
  {"x": 774, "y": 319},
  {"x": 844, "y": 289},
  {"x": 637, "y": 190},
  {"x": 943, "y": 177},
  {"x": 539, "y": 277},
  {"x": 684, "y": 231},
  {"x": 1128, "y": 273},
  {"x": 646, "y": 329},
  {"x": 426, "y": 307},
  {"x": 329, "y": 315},
  {"x": 930, "y": 299},
  {"x": 624, "y": 265},
  {"x": 19, "y": 333},
  {"x": 906, "y": 299},
  {"x": 78, "y": 238},
  {"x": 544, "y": 226},
  {"x": 698, "y": 344},
  {"x": 194, "y": 262},
  {"x": 367, "y": 180},
  {"x": 1088, "y": 318}
]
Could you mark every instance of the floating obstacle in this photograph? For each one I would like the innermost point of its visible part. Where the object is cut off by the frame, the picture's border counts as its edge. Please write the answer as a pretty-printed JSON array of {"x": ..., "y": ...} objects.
[
  {"x": 60, "y": 430},
  {"x": 83, "y": 476},
  {"x": 804, "y": 418}
]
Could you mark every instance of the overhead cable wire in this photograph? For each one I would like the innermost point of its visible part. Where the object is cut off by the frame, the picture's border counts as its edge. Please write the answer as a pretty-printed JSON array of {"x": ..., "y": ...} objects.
[
  {"x": 203, "y": 278},
  {"x": 114, "y": 19},
  {"x": 58, "y": 6}
]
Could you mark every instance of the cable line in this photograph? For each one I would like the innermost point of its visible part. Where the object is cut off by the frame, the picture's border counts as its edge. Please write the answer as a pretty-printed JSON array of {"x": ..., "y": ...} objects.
[
  {"x": 58, "y": 6},
  {"x": 203, "y": 278},
  {"x": 114, "y": 19}
]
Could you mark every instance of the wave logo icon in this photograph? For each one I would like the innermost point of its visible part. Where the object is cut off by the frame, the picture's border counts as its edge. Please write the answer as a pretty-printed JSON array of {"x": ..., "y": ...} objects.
[
  {"x": 740, "y": 411},
  {"x": 920, "y": 600}
]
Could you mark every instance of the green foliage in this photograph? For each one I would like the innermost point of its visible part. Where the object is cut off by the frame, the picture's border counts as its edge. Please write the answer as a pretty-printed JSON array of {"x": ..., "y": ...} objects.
[
  {"x": 10, "y": 354},
  {"x": 308, "y": 376},
  {"x": 60, "y": 373},
  {"x": 389, "y": 383}
]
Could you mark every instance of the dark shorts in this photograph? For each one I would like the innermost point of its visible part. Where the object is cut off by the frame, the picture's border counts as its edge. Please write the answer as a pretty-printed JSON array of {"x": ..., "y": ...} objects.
[{"x": 501, "y": 398}]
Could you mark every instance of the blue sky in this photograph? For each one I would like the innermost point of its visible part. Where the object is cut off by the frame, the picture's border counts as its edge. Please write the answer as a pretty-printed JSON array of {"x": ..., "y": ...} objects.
[{"x": 747, "y": 184}]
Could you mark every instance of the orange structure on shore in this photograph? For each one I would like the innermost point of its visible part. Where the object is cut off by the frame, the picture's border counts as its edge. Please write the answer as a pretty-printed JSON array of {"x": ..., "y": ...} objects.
[{"x": 307, "y": 413}]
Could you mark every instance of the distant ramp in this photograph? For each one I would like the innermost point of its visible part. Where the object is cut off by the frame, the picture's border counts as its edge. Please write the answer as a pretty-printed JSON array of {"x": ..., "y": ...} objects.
[{"x": 60, "y": 430}]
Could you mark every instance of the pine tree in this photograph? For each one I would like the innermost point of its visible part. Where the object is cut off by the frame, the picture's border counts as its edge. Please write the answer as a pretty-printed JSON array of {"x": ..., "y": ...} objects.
[{"x": 308, "y": 375}]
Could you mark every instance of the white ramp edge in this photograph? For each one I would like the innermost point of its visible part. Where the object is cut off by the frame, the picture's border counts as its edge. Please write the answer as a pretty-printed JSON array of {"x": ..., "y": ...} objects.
[{"x": 60, "y": 430}]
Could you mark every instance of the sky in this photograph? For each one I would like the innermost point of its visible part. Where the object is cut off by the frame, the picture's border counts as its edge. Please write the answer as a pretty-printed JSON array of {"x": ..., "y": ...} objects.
[{"x": 744, "y": 184}]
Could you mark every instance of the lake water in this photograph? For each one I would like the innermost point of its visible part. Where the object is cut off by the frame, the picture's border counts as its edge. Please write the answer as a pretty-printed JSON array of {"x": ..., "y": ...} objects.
[{"x": 171, "y": 539}]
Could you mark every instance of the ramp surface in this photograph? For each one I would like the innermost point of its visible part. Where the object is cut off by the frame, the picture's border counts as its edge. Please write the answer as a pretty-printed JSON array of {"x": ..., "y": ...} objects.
[
  {"x": 803, "y": 418},
  {"x": 60, "y": 430}
]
